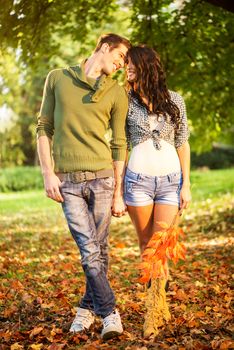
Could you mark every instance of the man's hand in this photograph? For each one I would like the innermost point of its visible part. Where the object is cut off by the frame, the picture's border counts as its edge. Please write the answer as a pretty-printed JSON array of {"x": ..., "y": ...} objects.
[
  {"x": 118, "y": 206},
  {"x": 51, "y": 181},
  {"x": 52, "y": 187}
]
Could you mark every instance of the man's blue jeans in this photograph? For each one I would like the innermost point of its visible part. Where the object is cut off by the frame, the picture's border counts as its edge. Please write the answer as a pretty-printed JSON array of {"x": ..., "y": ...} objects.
[{"x": 87, "y": 208}]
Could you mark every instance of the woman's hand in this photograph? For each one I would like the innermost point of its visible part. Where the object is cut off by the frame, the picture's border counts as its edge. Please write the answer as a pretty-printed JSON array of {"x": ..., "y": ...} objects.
[
  {"x": 118, "y": 206},
  {"x": 185, "y": 197}
]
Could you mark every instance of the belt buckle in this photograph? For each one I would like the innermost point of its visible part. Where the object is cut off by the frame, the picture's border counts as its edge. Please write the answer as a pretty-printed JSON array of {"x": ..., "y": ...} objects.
[
  {"x": 89, "y": 175},
  {"x": 77, "y": 177},
  {"x": 82, "y": 176}
]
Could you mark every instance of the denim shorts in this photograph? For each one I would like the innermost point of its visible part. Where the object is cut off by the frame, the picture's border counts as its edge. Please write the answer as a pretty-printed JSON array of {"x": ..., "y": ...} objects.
[{"x": 141, "y": 190}]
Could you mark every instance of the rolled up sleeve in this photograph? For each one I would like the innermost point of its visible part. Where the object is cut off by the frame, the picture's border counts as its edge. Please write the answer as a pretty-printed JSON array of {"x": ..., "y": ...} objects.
[{"x": 182, "y": 132}]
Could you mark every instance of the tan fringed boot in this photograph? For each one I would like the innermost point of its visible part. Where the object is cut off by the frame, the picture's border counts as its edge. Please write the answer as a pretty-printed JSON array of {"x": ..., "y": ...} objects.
[{"x": 157, "y": 308}]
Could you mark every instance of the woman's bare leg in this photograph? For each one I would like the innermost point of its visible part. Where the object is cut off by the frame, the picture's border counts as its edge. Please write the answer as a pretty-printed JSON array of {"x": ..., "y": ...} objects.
[
  {"x": 164, "y": 213},
  {"x": 145, "y": 220},
  {"x": 142, "y": 219}
]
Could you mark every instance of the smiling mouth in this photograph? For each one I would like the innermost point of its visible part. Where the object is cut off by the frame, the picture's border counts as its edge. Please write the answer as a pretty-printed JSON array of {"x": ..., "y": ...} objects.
[{"x": 116, "y": 66}]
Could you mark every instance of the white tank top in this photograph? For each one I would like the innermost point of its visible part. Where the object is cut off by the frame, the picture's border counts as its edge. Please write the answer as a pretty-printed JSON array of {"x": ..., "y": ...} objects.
[{"x": 146, "y": 159}]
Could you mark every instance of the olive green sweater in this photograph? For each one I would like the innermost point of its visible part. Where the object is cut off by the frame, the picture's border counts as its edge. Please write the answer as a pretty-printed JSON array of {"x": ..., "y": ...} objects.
[{"x": 76, "y": 113}]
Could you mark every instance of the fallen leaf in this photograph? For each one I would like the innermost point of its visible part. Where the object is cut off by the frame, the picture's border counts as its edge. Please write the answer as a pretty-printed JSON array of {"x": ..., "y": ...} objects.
[
  {"x": 35, "y": 331},
  {"x": 16, "y": 346},
  {"x": 36, "y": 346}
]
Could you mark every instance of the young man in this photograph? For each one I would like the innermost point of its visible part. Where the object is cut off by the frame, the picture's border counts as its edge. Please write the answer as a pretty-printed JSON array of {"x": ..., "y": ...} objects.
[{"x": 79, "y": 104}]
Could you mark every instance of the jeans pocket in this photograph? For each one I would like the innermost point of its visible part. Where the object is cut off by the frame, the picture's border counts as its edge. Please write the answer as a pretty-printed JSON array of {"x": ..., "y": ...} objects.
[
  {"x": 108, "y": 183},
  {"x": 63, "y": 184}
]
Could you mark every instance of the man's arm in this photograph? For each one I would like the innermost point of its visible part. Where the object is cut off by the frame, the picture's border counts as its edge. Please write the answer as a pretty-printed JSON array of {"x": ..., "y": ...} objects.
[
  {"x": 118, "y": 147},
  {"x": 51, "y": 181},
  {"x": 118, "y": 206},
  {"x": 45, "y": 131}
]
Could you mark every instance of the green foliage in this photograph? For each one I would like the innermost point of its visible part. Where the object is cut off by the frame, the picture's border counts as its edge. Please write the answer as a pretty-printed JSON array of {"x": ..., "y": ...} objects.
[
  {"x": 10, "y": 150},
  {"x": 32, "y": 25},
  {"x": 21, "y": 90},
  {"x": 64, "y": 32},
  {"x": 195, "y": 40},
  {"x": 217, "y": 158},
  {"x": 20, "y": 179}
]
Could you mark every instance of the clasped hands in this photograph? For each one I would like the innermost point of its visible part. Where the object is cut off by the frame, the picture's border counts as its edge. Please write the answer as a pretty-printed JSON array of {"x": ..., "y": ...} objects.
[{"x": 118, "y": 206}]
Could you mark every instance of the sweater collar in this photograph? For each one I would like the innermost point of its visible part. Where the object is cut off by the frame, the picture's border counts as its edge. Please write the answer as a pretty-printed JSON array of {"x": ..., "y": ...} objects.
[{"x": 99, "y": 86}]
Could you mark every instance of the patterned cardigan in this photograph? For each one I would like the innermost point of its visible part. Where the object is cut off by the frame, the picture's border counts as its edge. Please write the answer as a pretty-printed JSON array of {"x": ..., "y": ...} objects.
[{"x": 138, "y": 126}]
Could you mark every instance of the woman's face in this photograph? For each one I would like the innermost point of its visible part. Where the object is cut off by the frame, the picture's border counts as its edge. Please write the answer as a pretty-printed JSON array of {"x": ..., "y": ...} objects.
[{"x": 131, "y": 71}]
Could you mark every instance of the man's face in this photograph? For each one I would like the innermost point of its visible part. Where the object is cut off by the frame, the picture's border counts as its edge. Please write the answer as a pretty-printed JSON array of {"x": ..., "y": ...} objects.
[{"x": 113, "y": 59}]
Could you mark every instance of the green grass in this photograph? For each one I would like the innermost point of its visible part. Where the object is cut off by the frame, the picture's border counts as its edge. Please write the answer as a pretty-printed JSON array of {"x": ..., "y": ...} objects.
[
  {"x": 211, "y": 183},
  {"x": 205, "y": 184},
  {"x": 25, "y": 201}
]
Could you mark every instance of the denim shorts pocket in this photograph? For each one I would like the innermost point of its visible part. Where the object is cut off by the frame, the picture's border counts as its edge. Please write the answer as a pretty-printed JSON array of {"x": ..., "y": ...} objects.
[
  {"x": 175, "y": 178},
  {"x": 178, "y": 181},
  {"x": 128, "y": 187},
  {"x": 130, "y": 184}
]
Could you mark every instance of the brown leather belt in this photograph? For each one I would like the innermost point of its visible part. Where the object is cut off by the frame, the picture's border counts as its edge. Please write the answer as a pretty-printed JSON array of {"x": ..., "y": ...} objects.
[{"x": 81, "y": 176}]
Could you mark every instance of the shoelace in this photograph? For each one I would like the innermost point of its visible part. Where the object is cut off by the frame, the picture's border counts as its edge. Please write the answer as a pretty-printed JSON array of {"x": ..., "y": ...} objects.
[
  {"x": 109, "y": 319},
  {"x": 83, "y": 320}
]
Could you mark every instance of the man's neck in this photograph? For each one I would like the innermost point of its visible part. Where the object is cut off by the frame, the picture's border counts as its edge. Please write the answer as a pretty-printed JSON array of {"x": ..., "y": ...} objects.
[{"x": 93, "y": 67}]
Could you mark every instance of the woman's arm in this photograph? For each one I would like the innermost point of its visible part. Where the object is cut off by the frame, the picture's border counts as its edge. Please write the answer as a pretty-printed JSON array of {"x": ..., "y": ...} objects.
[{"x": 184, "y": 157}]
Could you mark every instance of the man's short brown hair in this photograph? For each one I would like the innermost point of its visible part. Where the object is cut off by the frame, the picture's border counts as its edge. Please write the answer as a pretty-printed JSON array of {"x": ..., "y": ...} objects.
[{"x": 113, "y": 40}]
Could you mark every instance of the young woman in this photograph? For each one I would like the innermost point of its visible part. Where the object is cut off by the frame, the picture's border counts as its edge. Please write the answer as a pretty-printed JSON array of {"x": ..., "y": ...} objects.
[{"x": 157, "y": 177}]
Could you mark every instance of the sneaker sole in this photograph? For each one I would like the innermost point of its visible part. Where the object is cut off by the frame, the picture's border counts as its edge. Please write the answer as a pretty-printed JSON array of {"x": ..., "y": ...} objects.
[
  {"x": 76, "y": 331},
  {"x": 111, "y": 334}
]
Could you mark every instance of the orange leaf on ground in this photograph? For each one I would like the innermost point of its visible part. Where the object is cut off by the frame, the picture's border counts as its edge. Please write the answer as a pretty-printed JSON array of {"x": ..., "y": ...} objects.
[
  {"x": 16, "y": 346},
  {"x": 35, "y": 331},
  {"x": 36, "y": 346},
  {"x": 56, "y": 346},
  {"x": 181, "y": 295},
  {"x": 120, "y": 245},
  {"x": 17, "y": 285}
]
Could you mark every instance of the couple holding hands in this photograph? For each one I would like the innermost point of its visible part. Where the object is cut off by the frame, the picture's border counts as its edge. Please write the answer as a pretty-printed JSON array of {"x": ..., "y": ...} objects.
[{"x": 92, "y": 176}]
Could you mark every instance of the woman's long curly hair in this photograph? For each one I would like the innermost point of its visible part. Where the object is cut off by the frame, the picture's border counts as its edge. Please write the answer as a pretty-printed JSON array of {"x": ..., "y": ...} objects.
[{"x": 150, "y": 82}]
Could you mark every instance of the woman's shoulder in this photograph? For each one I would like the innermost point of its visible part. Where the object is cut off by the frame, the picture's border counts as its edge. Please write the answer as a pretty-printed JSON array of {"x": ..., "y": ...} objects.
[
  {"x": 176, "y": 97},
  {"x": 134, "y": 100}
]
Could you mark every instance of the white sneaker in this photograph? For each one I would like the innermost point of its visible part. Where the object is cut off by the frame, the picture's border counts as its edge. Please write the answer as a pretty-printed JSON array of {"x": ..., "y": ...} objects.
[
  {"x": 112, "y": 326},
  {"x": 83, "y": 320}
]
